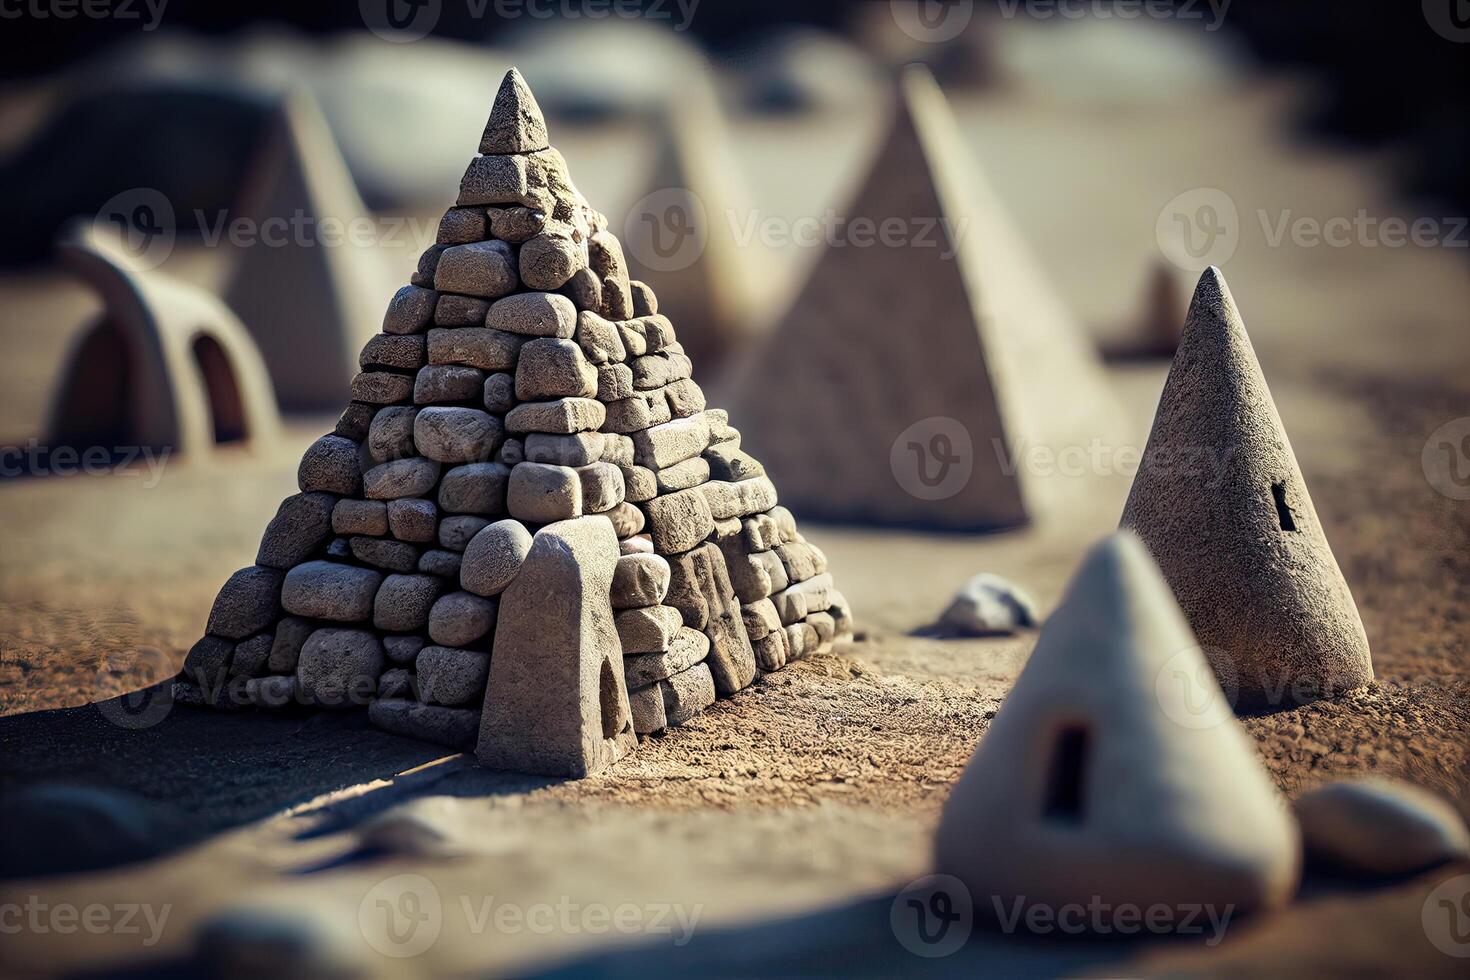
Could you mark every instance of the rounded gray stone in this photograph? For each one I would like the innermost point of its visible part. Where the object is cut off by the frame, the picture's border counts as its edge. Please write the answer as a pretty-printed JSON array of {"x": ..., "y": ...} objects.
[
  {"x": 327, "y": 590},
  {"x": 548, "y": 261},
  {"x": 390, "y": 436},
  {"x": 246, "y": 604},
  {"x": 368, "y": 517},
  {"x": 455, "y": 533},
  {"x": 403, "y": 602},
  {"x": 413, "y": 477},
  {"x": 330, "y": 465},
  {"x": 460, "y": 618},
  {"x": 302, "y": 525},
  {"x": 413, "y": 519},
  {"x": 552, "y": 367},
  {"x": 640, "y": 580},
  {"x": 474, "y": 488},
  {"x": 339, "y": 668},
  {"x": 988, "y": 605},
  {"x": 493, "y": 557},
  {"x": 541, "y": 493},
  {"x": 456, "y": 435},
  {"x": 410, "y": 310},
  {"x": 486, "y": 269},
  {"x": 537, "y": 314},
  {"x": 451, "y": 676},
  {"x": 447, "y": 383},
  {"x": 1379, "y": 826},
  {"x": 499, "y": 394}
]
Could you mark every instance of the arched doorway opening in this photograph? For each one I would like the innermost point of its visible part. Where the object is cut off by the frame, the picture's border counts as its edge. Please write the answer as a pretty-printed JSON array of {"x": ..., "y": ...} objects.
[{"x": 226, "y": 410}]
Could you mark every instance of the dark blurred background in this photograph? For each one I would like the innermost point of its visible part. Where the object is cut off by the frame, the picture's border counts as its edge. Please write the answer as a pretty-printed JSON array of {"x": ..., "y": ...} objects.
[{"x": 1385, "y": 79}]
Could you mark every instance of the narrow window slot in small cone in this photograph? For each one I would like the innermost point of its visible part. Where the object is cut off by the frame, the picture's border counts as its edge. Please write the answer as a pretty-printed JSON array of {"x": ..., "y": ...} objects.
[
  {"x": 1065, "y": 801},
  {"x": 1283, "y": 509}
]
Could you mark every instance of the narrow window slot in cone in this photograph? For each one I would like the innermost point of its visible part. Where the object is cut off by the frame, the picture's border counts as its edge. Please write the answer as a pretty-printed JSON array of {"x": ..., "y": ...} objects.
[
  {"x": 1283, "y": 509},
  {"x": 1064, "y": 798}
]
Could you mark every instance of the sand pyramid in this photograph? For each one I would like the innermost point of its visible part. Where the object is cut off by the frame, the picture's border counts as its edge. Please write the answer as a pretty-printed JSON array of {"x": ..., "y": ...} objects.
[
  {"x": 1221, "y": 504},
  {"x": 952, "y": 333},
  {"x": 1115, "y": 770},
  {"x": 307, "y": 286},
  {"x": 527, "y": 533}
]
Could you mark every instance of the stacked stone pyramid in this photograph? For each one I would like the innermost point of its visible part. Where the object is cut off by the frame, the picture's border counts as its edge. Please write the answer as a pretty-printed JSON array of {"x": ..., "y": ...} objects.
[{"x": 526, "y": 488}]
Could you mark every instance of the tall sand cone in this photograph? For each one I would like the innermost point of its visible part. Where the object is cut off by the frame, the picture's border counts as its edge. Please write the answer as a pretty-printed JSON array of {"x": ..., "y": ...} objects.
[
  {"x": 309, "y": 290},
  {"x": 527, "y": 534},
  {"x": 1221, "y": 504},
  {"x": 947, "y": 352},
  {"x": 1114, "y": 771}
]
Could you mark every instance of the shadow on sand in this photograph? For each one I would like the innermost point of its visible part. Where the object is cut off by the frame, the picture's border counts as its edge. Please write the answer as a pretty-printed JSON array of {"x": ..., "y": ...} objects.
[{"x": 107, "y": 784}]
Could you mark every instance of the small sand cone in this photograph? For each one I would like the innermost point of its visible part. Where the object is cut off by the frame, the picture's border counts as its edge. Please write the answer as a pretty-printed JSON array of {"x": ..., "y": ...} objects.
[
  {"x": 1115, "y": 770},
  {"x": 1221, "y": 504}
]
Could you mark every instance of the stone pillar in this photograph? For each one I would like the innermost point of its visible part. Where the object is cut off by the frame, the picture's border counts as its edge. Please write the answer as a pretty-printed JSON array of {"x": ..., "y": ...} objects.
[{"x": 556, "y": 703}]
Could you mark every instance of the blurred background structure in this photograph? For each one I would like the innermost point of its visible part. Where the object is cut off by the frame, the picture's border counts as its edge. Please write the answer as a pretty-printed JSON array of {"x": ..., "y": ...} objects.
[{"x": 750, "y": 118}]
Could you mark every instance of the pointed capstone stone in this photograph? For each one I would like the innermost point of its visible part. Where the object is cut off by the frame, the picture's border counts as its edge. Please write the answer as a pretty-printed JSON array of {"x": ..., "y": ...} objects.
[
  {"x": 515, "y": 125},
  {"x": 1220, "y": 502}
]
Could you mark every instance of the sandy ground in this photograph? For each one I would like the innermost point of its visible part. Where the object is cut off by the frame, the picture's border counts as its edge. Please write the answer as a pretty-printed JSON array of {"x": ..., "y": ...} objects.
[{"x": 789, "y": 815}]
